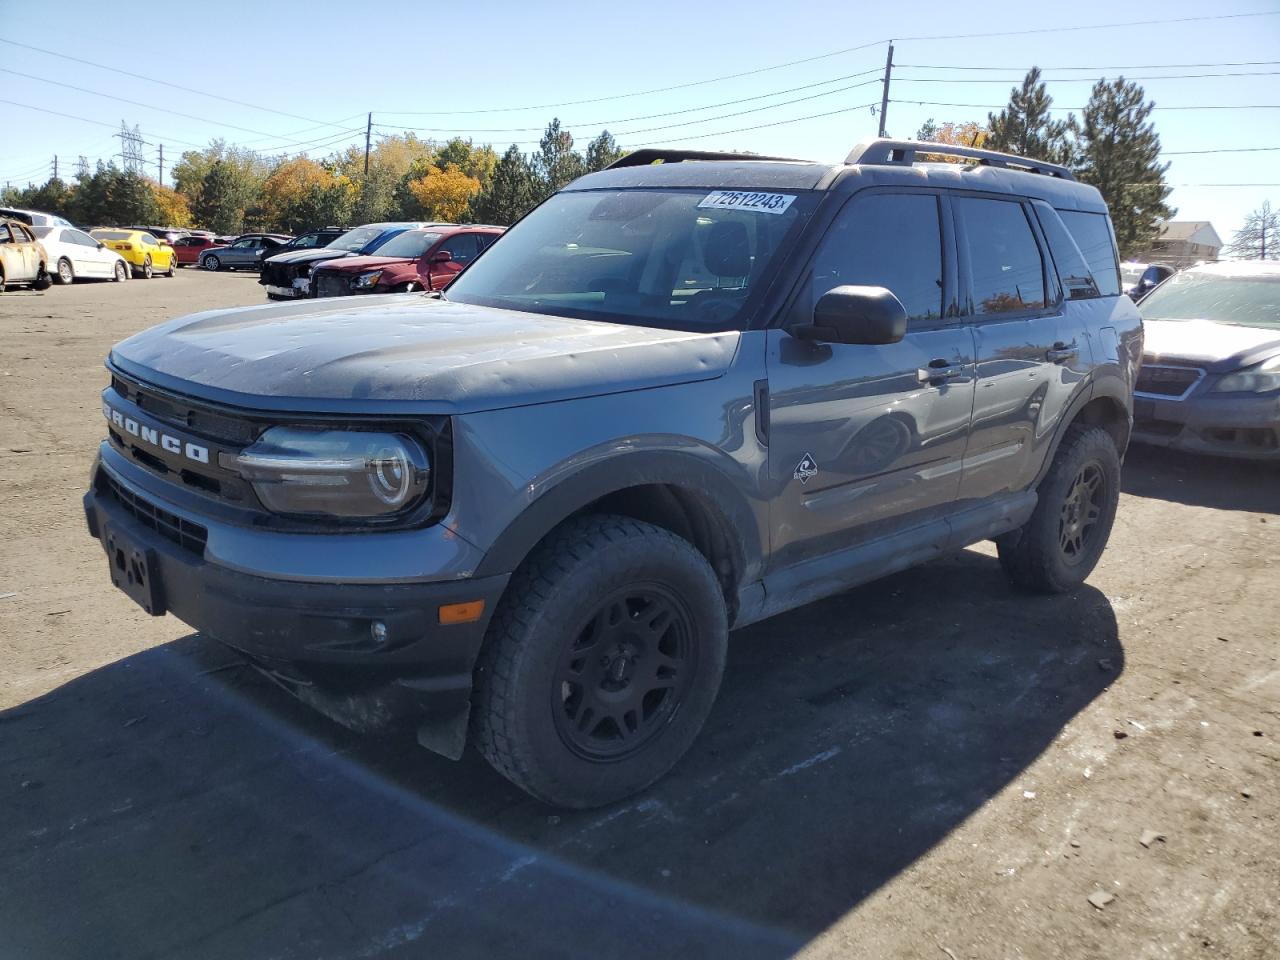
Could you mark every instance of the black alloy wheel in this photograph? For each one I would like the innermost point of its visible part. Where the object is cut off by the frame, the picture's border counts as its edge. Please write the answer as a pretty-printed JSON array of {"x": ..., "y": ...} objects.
[
  {"x": 1081, "y": 511},
  {"x": 624, "y": 674}
]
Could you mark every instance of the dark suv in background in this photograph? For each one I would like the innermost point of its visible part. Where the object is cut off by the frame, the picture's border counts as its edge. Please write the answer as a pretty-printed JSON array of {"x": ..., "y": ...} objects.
[{"x": 676, "y": 398}]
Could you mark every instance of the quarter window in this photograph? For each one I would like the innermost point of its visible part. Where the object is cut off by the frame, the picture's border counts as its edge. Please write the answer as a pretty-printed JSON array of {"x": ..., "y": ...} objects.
[
  {"x": 1077, "y": 279},
  {"x": 886, "y": 240},
  {"x": 1005, "y": 265},
  {"x": 1093, "y": 237}
]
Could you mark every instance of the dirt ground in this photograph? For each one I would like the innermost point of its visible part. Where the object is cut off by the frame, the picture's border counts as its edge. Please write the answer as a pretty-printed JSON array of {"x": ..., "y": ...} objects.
[{"x": 930, "y": 766}]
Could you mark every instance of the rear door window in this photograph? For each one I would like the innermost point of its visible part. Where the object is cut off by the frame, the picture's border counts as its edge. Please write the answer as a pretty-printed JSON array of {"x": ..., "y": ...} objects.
[
  {"x": 1092, "y": 232},
  {"x": 462, "y": 246},
  {"x": 1005, "y": 267},
  {"x": 886, "y": 240}
]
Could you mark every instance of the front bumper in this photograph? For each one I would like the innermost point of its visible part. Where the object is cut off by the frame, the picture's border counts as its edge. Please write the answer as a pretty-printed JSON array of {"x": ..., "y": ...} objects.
[
  {"x": 315, "y": 638},
  {"x": 1246, "y": 427}
]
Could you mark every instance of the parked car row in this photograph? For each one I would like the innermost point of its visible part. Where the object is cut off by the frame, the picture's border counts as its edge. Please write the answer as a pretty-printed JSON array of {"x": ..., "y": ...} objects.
[{"x": 378, "y": 258}]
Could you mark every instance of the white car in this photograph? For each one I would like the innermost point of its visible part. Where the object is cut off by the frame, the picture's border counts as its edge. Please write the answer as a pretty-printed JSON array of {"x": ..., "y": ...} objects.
[
  {"x": 74, "y": 255},
  {"x": 34, "y": 218}
]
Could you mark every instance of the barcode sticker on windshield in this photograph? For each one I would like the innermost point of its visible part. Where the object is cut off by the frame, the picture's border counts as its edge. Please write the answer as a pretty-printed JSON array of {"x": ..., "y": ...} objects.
[{"x": 739, "y": 200}]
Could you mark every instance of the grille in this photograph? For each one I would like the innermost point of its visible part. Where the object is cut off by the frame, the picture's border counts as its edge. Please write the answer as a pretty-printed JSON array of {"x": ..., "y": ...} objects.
[
  {"x": 1170, "y": 383},
  {"x": 192, "y": 537},
  {"x": 328, "y": 286}
]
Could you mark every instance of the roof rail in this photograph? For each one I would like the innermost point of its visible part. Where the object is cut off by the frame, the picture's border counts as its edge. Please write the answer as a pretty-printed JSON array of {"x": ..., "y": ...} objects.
[
  {"x": 894, "y": 152},
  {"x": 642, "y": 158}
]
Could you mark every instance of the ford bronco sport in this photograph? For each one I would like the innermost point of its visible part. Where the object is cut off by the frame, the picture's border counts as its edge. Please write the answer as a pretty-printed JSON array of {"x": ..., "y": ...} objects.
[{"x": 685, "y": 393}]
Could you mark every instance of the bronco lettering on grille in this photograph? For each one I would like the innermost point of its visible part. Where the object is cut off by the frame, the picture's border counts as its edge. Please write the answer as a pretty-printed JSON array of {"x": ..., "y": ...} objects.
[{"x": 155, "y": 438}]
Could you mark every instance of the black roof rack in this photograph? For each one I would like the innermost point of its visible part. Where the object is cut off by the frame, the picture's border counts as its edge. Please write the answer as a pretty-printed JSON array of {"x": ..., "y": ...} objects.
[
  {"x": 894, "y": 152},
  {"x": 642, "y": 158}
]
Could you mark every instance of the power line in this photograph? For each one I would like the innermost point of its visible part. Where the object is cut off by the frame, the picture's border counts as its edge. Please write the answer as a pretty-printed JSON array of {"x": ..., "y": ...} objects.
[
  {"x": 166, "y": 83},
  {"x": 760, "y": 126},
  {"x": 1017, "y": 80},
  {"x": 1123, "y": 66},
  {"x": 1001, "y": 106},
  {"x": 651, "y": 116},
  {"x": 139, "y": 103},
  {"x": 686, "y": 123},
  {"x": 1188, "y": 153}
]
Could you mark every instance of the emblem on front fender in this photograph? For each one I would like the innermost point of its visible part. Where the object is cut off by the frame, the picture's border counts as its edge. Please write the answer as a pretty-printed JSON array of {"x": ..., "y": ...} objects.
[{"x": 806, "y": 469}]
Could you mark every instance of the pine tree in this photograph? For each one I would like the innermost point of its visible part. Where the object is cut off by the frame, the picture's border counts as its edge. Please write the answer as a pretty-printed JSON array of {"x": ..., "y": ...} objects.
[
  {"x": 1026, "y": 126},
  {"x": 1259, "y": 238},
  {"x": 1119, "y": 153},
  {"x": 222, "y": 200},
  {"x": 557, "y": 163},
  {"x": 510, "y": 193},
  {"x": 602, "y": 151}
]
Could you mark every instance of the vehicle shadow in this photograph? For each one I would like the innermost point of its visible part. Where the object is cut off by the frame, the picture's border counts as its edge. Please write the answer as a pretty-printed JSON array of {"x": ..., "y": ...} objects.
[
  {"x": 1199, "y": 481},
  {"x": 197, "y": 811}
]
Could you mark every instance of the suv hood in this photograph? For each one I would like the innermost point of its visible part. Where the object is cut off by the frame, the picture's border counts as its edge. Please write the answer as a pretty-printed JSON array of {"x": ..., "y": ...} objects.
[
  {"x": 1218, "y": 347},
  {"x": 401, "y": 353},
  {"x": 357, "y": 264}
]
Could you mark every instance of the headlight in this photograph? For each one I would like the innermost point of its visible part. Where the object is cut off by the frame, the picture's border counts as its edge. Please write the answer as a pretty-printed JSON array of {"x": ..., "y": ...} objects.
[
  {"x": 341, "y": 473},
  {"x": 366, "y": 280},
  {"x": 1260, "y": 378}
]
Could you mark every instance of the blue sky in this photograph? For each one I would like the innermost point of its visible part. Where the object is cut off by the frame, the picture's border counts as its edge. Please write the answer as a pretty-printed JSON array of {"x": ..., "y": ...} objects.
[{"x": 470, "y": 69}]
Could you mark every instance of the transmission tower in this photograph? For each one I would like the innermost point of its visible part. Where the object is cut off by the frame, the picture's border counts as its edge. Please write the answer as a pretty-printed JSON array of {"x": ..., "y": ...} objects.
[{"x": 131, "y": 142}]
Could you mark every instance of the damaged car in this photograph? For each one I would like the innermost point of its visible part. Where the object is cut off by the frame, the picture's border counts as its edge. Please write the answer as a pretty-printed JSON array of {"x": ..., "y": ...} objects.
[
  {"x": 415, "y": 260},
  {"x": 287, "y": 275}
]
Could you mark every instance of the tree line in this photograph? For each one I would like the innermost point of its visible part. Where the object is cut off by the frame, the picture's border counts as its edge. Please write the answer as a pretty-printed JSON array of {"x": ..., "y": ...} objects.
[{"x": 230, "y": 189}]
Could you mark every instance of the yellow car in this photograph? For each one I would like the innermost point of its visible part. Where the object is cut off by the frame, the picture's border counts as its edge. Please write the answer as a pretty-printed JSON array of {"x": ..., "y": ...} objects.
[{"x": 145, "y": 254}]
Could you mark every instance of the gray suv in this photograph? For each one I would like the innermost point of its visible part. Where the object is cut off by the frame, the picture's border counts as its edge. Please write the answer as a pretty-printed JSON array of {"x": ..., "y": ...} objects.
[{"x": 682, "y": 395}]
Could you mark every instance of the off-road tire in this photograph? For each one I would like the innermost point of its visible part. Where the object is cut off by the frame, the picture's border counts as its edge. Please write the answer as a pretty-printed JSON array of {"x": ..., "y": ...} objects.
[
  {"x": 1034, "y": 556},
  {"x": 554, "y": 602},
  {"x": 66, "y": 275}
]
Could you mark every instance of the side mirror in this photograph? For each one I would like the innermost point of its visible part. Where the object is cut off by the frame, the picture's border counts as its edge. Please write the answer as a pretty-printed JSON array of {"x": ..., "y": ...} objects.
[
  {"x": 442, "y": 256},
  {"x": 853, "y": 314},
  {"x": 102, "y": 246}
]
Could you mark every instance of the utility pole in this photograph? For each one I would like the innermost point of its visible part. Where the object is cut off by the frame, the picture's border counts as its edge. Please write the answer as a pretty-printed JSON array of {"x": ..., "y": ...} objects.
[
  {"x": 884, "y": 97},
  {"x": 55, "y": 169},
  {"x": 162, "y": 164},
  {"x": 368, "y": 135}
]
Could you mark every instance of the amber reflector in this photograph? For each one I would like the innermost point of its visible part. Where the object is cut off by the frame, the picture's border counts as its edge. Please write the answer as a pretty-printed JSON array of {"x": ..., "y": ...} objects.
[{"x": 468, "y": 612}]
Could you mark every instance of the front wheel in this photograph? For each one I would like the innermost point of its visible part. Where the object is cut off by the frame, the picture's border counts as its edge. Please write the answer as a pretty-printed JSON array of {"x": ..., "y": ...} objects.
[
  {"x": 1062, "y": 542},
  {"x": 65, "y": 273},
  {"x": 211, "y": 263},
  {"x": 601, "y": 663},
  {"x": 173, "y": 267}
]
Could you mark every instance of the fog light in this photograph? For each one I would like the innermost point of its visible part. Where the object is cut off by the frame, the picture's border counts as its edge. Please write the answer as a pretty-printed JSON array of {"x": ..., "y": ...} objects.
[{"x": 378, "y": 630}]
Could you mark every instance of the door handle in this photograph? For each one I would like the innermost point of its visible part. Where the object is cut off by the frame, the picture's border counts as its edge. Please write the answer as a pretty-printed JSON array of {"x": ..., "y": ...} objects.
[
  {"x": 939, "y": 371},
  {"x": 1062, "y": 352}
]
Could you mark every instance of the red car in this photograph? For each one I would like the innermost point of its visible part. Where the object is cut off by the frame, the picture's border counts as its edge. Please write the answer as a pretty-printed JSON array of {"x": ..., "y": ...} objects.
[
  {"x": 425, "y": 259},
  {"x": 189, "y": 248}
]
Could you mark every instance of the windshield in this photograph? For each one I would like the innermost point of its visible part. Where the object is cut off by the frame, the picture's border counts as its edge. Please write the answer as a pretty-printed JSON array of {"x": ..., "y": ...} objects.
[
  {"x": 353, "y": 241},
  {"x": 1250, "y": 301},
  {"x": 680, "y": 259},
  {"x": 411, "y": 244},
  {"x": 1132, "y": 272}
]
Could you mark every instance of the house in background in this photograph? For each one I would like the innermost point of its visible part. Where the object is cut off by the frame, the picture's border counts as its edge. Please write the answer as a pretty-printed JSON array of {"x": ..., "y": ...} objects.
[{"x": 1182, "y": 243}]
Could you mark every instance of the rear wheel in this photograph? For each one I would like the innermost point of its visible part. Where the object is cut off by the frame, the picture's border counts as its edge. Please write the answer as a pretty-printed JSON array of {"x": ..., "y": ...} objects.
[
  {"x": 121, "y": 272},
  {"x": 602, "y": 662},
  {"x": 1062, "y": 542},
  {"x": 65, "y": 274},
  {"x": 147, "y": 272}
]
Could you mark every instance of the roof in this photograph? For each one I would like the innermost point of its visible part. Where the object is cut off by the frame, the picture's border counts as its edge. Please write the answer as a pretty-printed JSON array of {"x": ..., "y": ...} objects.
[
  {"x": 881, "y": 162},
  {"x": 1193, "y": 231}
]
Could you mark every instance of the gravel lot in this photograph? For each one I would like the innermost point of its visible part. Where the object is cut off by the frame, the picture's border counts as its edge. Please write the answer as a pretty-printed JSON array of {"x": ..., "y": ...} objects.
[{"x": 929, "y": 766}]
